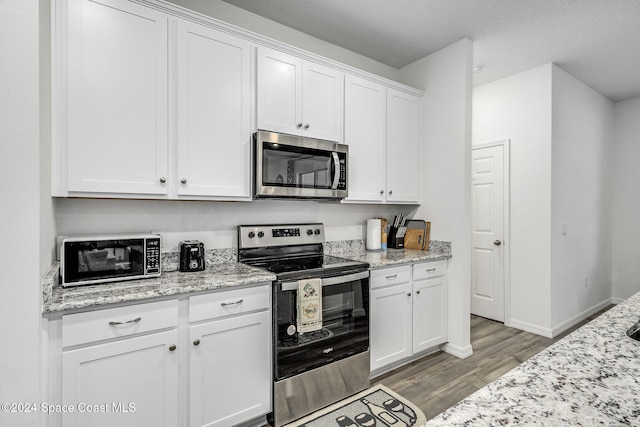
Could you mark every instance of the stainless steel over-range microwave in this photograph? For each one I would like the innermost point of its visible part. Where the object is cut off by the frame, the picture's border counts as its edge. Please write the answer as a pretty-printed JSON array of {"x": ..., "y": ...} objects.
[
  {"x": 86, "y": 260},
  {"x": 288, "y": 166}
]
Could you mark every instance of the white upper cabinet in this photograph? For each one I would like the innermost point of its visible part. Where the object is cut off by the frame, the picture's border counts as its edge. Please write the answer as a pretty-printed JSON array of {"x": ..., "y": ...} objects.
[
  {"x": 364, "y": 133},
  {"x": 116, "y": 123},
  {"x": 298, "y": 97},
  {"x": 382, "y": 130},
  {"x": 214, "y": 111},
  {"x": 403, "y": 147},
  {"x": 149, "y": 105}
]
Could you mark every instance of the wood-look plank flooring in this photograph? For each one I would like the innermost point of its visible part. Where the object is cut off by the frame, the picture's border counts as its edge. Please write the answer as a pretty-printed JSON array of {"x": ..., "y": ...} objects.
[{"x": 438, "y": 381}]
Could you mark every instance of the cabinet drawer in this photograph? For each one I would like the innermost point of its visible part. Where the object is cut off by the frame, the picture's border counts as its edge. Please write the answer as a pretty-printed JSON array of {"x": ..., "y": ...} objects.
[
  {"x": 118, "y": 322},
  {"x": 427, "y": 270},
  {"x": 226, "y": 303},
  {"x": 390, "y": 276}
]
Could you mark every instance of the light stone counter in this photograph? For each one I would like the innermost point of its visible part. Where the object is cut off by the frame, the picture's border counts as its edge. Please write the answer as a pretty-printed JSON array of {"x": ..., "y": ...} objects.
[
  {"x": 216, "y": 276},
  {"x": 355, "y": 249},
  {"x": 222, "y": 272},
  {"x": 590, "y": 377}
]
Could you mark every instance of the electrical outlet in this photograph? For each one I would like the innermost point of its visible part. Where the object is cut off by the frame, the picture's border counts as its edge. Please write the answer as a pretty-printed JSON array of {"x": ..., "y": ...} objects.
[{"x": 586, "y": 281}]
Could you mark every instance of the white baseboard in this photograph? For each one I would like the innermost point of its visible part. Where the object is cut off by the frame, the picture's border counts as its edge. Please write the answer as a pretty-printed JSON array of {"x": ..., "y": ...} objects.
[
  {"x": 459, "y": 351},
  {"x": 530, "y": 327},
  {"x": 580, "y": 317},
  {"x": 558, "y": 329}
]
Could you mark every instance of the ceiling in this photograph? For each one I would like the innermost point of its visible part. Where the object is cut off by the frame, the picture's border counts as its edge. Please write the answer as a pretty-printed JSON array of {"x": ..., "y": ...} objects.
[{"x": 597, "y": 41}]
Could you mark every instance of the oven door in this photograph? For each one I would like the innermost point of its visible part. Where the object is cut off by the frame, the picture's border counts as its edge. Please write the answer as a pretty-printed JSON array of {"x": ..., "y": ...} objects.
[
  {"x": 345, "y": 324},
  {"x": 290, "y": 166}
]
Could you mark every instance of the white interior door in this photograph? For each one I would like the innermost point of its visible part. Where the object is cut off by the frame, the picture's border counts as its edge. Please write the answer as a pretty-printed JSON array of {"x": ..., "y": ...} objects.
[{"x": 488, "y": 230}]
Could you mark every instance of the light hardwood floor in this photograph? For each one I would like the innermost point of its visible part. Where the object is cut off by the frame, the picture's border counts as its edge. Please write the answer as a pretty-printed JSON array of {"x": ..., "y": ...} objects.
[{"x": 440, "y": 380}]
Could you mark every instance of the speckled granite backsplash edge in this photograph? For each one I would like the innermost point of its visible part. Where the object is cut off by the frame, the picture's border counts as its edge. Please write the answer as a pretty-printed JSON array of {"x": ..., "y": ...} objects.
[{"x": 215, "y": 257}]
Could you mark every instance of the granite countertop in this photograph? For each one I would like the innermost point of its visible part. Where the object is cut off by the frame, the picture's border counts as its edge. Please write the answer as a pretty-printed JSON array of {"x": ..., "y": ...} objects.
[
  {"x": 222, "y": 272},
  {"x": 216, "y": 276},
  {"x": 590, "y": 377},
  {"x": 386, "y": 258}
]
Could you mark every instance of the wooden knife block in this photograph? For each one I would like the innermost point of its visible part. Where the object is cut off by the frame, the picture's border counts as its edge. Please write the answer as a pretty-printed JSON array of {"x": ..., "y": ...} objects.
[{"x": 417, "y": 235}]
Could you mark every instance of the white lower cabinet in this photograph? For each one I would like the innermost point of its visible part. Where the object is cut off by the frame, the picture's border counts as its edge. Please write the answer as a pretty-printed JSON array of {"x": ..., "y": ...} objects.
[
  {"x": 408, "y": 312},
  {"x": 230, "y": 358},
  {"x": 122, "y": 366},
  {"x": 132, "y": 381}
]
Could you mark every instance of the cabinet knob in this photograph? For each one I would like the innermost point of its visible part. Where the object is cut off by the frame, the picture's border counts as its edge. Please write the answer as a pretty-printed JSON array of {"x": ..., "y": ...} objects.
[
  {"x": 172, "y": 347},
  {"x": 299, "y": 125},
  {"x": 306, "y": 126},
  {"x": 163, "y": 180},
  {"x": 196, "y": 342},
  {"x": 183, "y": 180},
  {"x": 497, "y": 242},
  {"x": 418, "y": 292},
  {"x": 381, "y": 192},
  {"x": 390, "y": 192}
]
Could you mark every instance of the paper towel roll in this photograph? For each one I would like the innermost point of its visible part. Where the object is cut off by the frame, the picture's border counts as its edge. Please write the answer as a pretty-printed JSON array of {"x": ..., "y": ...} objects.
[{"x": 373, "y": 233}]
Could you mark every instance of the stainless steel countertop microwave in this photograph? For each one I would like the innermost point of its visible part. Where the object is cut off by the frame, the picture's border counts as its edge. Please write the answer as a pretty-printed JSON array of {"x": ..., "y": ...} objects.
[{"x": 288, "y": 166}]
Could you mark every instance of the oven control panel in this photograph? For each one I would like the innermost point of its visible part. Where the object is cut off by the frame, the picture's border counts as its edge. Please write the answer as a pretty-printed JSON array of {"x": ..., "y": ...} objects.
[
  {"x": 253, "y": 236},
  {"x": 285, "y": 232}
]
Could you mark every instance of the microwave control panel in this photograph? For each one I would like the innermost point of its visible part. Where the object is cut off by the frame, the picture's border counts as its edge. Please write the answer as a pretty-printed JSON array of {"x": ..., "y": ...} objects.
[{"x": 152, "y": 256}]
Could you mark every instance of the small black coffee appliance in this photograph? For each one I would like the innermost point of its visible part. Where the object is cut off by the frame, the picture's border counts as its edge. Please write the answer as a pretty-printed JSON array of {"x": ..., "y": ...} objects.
[{"x": 191, "y": 255}]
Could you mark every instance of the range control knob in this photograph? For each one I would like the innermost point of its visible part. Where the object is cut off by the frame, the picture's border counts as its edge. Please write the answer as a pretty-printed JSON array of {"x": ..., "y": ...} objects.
[
  {"x": 252, "y": 234},
  {"x": 309, "y": 232},
  {"x": 260, "y": 233},
  {"x": 317, "y": 231}
]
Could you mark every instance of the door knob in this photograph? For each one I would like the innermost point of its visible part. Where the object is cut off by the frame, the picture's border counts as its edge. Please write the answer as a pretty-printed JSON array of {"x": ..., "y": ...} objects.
[{"x": 497, "y": 242}]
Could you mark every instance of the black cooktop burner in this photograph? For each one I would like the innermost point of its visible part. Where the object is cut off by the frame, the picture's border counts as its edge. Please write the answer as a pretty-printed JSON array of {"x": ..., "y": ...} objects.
[{"x": 307, "y": 265}]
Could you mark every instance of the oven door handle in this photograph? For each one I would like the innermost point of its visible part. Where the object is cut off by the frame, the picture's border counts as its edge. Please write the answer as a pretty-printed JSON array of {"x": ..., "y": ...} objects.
[{"x": 328, "y": 281}]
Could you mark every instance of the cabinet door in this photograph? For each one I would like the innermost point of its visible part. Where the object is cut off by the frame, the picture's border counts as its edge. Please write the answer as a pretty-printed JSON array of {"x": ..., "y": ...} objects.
[
  {"x": 390, "y": 325},
  {"x": 429, "y": 313},
  {"x": 279, "y": 92},
  {"x": 117, "y": 98},
  {"x": 403, "y": 147},
  {"x": 214, "y": 132},
  {"x": 230, "y": 371},
  {"x": 131, "y": 382},
  {"x": 322, "y": 102},
  {"x": 364, "y": 133}
]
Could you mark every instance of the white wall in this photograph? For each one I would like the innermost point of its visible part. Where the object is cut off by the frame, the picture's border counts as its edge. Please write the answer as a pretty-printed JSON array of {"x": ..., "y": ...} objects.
[
  {"x": 519, "y": 108},
  {"x": 82, "y": 216},
  {"x": 561, "y": 134},
  {"x": 626, "y": 200},
  {"x": 20, "y": 216},
  {"x": 249, "y": 21},
  {"x": 445, "y": 77},
  {"x": 582, "y": 153}
]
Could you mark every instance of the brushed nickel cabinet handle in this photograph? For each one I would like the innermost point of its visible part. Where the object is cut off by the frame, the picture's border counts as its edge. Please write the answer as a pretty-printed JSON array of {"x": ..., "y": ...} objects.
[
  {"x": 172, "y": 347},
  {"x": 183, "y": 180},
  {"x": 306, "y": 126},
  {"x": 136, "y": 320},
  {"x": 196, "y": 342},
  {"x": 163, "y": 180},
  {"x": 224, "y": 304},
  {"x": 393, "y": 276},
  {"x": 299, "y": 125},
  {"x": 429, "y": 270},
  {"x": 497, "y": 242}
]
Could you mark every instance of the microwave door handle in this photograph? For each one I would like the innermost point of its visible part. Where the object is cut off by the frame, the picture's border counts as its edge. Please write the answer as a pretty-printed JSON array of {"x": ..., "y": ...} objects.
[{"x": 336, "y": 170}]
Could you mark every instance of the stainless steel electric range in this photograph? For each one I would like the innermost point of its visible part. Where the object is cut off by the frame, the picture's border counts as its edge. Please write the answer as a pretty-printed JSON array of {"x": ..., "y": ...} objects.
[{"x": 315, "y": 368}]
